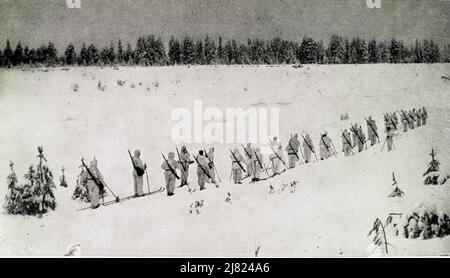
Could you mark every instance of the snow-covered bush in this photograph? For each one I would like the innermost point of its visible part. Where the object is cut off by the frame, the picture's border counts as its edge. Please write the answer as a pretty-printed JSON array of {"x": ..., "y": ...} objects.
[
  {"x": 81, "y": 191},
  {"x": 74, "y": 87},
  {"x": 432, "y": 174},
  {"x": 35, "y": 197},
  {"x": 344, "y": 116},
  {"x": 425, "y": 223},
  {"x": 100, "y": 86},
  {"x": 155, "y": 84}
]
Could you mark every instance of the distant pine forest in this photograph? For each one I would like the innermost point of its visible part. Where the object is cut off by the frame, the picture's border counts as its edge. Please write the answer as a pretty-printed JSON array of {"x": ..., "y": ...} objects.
[{"x": 151, "y": 51}]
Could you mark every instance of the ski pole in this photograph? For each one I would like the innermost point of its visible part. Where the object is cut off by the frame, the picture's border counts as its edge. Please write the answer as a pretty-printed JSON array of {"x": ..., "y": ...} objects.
[
  {"x": 335, "y": 152},
  {"x": 116, "y": 197},
  {"x": 383, "y": 145},
  {"x": 98, "y": 182},
  {"x": 148, "y": 185},
  {"x": 217, "y": 172}
]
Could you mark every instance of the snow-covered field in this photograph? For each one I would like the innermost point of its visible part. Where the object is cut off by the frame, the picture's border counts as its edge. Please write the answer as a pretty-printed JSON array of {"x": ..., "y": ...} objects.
[{"x": 329, "y": 214}]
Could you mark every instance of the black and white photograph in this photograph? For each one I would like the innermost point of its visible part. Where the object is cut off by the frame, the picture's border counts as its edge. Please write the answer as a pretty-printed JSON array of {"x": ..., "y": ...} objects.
[{"x": 225, "y": 129}]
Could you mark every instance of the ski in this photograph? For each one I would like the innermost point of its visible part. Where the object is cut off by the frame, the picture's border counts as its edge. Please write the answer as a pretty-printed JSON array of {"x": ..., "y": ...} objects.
[
  {"x": 182, "y": 185},
  {"x": 112, "y": 202},
  {"x": 274, "y": 175},
  {"x": 256, "y": 181}
]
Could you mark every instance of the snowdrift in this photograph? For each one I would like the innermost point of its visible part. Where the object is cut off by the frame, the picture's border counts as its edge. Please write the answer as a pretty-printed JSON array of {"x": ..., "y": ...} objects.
[{"x": 329, "y": 214}]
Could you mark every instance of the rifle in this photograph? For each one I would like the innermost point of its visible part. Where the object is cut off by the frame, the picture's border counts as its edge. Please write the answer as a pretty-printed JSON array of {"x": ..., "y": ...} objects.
[
  {"x": 373, "y": 129},
  {"x": 246, "y": 152},
  {"x": 326, "y": 146},
  {"x": 279, "y": 157},
  {"x": 411, "y": 117},
  {"x": 179, "y": 160},
  {"x": 100, "y": 184},
  {"x": 214, "y": 165},
  {"x": 292, "y": 148},
  {"x": 206, "y": 172},
  {"x": 237, "y": 161},
  {"x": 357, "y": 135},
  {"x": 259, "y": 162},
  {"x": 170, "y": 167},
  {"x": 392, "y": 122},
  {"x": 301, "y": 152},
  {"x": 310, "y": 147},
  {"x": 406, "y": 118},
  {"x": 139, "y": 171},
  {"x": 348, "y": 142}
]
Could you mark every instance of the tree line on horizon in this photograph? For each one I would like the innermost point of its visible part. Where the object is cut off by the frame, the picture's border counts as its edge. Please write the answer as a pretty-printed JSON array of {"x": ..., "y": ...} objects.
[{"x": 151, "y": 51}]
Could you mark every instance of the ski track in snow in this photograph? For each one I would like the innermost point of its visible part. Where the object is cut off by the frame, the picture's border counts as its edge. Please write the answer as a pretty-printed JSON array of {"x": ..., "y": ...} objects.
[{"x": 329, "y": 214}]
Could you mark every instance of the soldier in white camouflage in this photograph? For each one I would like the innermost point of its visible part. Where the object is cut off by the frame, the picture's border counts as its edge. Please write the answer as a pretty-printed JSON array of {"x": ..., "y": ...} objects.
[
  {"x": 170, "y": 167},
  {"x": 292, "y": 149}
]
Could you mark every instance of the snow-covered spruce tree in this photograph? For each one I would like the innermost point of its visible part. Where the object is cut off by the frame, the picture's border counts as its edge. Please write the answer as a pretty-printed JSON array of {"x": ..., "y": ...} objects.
[
  {"x": 379, "y": 234},
  {"x": 35, "y": 197},
  {"x": 80, "y": 191},
  {"x": 39, "y": 198},
  {"x": 397, "y": 192},
  {"x": 14, "y": 192},
  {"x": 62, "y": 179},
  {"x": 432, "y": 174}
]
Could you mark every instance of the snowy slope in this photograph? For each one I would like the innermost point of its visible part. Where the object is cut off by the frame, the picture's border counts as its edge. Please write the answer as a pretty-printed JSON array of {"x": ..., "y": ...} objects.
[{"x": 329, "y": 214}]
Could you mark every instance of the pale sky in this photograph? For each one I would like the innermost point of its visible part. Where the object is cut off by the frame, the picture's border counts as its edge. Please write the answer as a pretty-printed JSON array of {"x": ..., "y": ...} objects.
[{"x": 34, "y": 22}]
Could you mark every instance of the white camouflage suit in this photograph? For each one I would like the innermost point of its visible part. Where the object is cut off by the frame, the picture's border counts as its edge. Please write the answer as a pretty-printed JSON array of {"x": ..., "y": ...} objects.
[{"x": 138, "y": 180}]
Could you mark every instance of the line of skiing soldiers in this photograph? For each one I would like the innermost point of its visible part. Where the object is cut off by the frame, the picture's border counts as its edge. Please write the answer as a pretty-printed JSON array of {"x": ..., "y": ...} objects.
[
  {"x": 251, "y": 161},
  {"x": 206, "y": 170},
  {"x": 409, "y": 119},
  {"x": 357, "y": 139}
]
